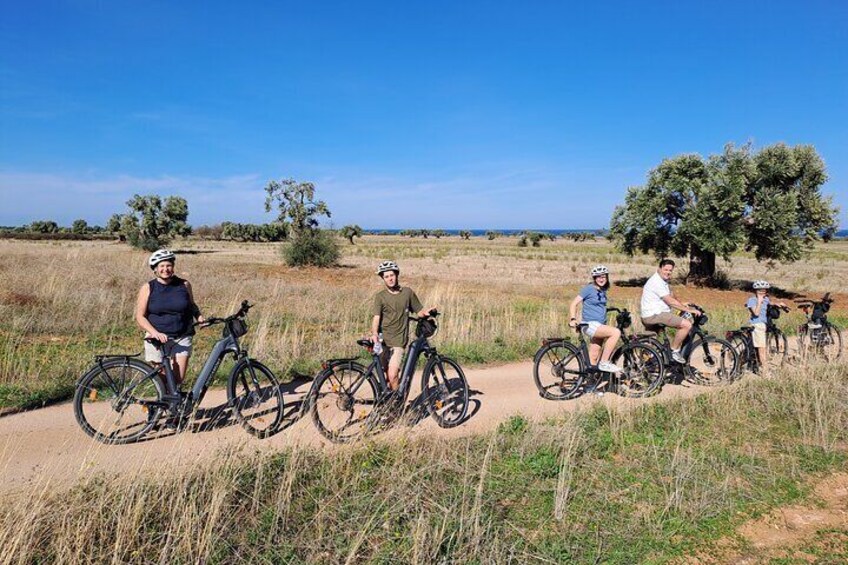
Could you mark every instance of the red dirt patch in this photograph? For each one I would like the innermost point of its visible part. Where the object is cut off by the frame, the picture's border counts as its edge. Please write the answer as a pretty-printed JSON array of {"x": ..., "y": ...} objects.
[{"x": 782, "y": 531}]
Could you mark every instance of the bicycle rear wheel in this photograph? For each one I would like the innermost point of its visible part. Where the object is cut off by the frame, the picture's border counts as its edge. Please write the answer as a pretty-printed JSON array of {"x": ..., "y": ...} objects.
[
  {"x": 823, "y": 342},
  {"x": 118, "y": 401},
  {"x": 254, "y": 394},
  {"x": 712, "y": 362},
  {"x": 341, "y": 401},
  {"x": 445, "y": 391},
  {"x": 558, "y": 370},
  {"x": 642, "y": 370}
]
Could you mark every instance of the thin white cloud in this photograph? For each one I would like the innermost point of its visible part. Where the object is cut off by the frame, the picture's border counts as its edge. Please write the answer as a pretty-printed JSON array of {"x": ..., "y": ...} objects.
[{"x": 529, "y": 197}]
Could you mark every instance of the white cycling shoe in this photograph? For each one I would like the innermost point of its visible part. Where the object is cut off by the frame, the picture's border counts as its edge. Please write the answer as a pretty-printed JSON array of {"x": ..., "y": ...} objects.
[
  {"x": 678, "y": 358},
  {"x": 608, "y": 367}
]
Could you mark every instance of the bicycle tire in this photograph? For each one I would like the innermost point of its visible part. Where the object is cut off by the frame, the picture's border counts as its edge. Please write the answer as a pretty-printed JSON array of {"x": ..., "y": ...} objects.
[
  {"x": 332, "y": 388},
  {"x": 255, "y": 397},
  {"x": 835, "y": 343},
  {"x": 825, "y": 341},
  {"x": 643, "y": 370},
  {"x": 554, "y": 370},
  {"x": 106, "y": 410},
  {"x": 747, "y": 357},
  {"x": 712, "y": 361},
  {"x": 778, "y": 348},
  {"x": 445, "y": 394}
]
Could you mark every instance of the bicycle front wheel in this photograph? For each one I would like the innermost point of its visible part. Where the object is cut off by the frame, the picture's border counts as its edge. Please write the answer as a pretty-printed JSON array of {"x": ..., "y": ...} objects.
[
  {"x": 445, "y": 391},
  {"x": 642, "y": 370},
  {"x": 558, "y": 370},
  {"x": 712, "y": 362},
  {"x": 778, "y": 348},
  {"x": 118, "y": 401},
  {"x": 341, "y": 401},
  {"x": 746, "y": 354},
  {"x": 254, "y": 394}
]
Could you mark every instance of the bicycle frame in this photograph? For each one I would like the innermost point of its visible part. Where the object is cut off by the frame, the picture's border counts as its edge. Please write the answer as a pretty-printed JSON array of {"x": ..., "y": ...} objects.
[{"x": 226, "y": 345}]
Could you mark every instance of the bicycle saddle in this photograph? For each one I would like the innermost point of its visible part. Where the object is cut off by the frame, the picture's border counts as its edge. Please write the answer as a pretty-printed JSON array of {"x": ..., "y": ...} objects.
[{"x": 365, "y": 342}]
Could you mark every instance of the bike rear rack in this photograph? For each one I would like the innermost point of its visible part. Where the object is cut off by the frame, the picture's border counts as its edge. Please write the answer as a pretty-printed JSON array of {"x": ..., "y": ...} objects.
[{"x": 106, "y": 356}]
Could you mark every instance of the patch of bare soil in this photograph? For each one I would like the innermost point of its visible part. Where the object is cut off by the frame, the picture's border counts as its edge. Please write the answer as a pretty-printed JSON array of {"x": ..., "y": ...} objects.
[{"x": 792, "y": 533}]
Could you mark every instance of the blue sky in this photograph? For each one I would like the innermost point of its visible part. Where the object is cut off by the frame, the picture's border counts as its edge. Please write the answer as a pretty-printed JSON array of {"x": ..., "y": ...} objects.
[{"x": 436, "y": 114}]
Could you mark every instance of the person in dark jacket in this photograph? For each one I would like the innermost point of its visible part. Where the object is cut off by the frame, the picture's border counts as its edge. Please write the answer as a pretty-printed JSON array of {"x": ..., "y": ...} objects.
[{"x": 165, "y": 310}]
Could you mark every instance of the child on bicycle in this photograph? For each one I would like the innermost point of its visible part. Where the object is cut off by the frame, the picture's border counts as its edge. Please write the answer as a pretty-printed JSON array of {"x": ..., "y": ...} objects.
[
  {"x": 757, "y": 306},
  {"x": 593, "y": 298},
  {"x": 391, "y": 310}
]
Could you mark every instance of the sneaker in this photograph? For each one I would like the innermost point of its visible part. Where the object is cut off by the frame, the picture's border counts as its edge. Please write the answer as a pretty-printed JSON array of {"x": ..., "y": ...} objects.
[
  {"x": 677, "y": 357},
  {"x": 608, "y": 367}
]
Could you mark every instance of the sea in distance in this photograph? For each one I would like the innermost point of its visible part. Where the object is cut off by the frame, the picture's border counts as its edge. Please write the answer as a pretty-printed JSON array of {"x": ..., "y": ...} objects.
[
  {"x": 559, "y": 232},
  {"x": 396, "y": 231}
]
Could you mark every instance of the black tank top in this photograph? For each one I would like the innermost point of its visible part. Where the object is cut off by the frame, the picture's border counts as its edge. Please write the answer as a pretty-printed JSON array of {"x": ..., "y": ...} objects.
[{"x": 169, "y": 307}]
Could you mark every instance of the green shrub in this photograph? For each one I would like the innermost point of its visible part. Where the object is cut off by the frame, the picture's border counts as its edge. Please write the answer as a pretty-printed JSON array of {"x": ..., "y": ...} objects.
[{"x": 312, "y": 247}]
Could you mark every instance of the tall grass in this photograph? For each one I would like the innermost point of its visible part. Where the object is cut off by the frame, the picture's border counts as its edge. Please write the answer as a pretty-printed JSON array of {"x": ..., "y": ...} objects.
[{"x": 612, "y": 485}]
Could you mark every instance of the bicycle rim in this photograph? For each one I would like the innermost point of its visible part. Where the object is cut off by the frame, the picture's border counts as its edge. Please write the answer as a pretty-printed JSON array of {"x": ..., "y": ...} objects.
[
  {"x": 712, "y": 362},
  {"x": 642, "y": 371},
  {"x": 113, "y": 402},
  {"x": 558, "y": 370},
  {"x": 343, "y": 400},
  {"x": 778, "y": 349},
  {"x": 446, "y": 392},
  {"x": 256, "y": 399}
]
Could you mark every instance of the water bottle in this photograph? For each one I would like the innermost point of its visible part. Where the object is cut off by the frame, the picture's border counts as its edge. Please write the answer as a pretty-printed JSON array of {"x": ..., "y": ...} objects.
[{"x": 378, "y": 348}]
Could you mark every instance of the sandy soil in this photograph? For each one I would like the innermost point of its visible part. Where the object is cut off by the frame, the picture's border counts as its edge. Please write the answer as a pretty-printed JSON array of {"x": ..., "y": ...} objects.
[
  {"x": 781, "y": 533},
  {"x": 46, "y": 446}
]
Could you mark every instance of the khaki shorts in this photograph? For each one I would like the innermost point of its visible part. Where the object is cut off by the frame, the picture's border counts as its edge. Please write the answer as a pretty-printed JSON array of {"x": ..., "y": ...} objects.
[
  {"x": 395, "y": 355},
  {"x": 665, "y": 319},
  {"x": 177, "y": 348},
  {"x": 759, "y": 335}
]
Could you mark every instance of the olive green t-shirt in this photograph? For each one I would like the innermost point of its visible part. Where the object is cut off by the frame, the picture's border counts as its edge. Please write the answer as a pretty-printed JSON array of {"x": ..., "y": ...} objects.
[{"x": 394, "y": 310}]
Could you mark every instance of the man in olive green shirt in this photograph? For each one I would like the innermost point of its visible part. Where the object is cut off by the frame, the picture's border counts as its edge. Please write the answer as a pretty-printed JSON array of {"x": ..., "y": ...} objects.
[{"x": 391, "y": 309}]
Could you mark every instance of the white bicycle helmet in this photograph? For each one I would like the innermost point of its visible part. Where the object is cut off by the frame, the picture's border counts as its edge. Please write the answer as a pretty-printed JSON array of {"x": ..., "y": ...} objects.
[
  {"x": 386, "y": 266},
  {"x": 761, "y": 284},
  {"x": 161, "y": 255},
  {"x": 599, "y": 270}
]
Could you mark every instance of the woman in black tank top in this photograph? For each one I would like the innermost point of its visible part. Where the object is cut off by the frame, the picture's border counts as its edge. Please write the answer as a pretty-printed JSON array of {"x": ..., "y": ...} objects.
[{"x": 165, "y": 309}]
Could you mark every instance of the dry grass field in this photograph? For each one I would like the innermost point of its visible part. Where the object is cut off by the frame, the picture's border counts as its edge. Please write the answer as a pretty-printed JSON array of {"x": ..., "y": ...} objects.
[
  {"x": 62, "y": 302},
  {"x": 653, "y": 482}
]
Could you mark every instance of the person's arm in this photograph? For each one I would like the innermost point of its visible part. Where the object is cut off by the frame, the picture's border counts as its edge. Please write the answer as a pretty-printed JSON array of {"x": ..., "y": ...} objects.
[
  {"x": 377, "y": 312},
  {"x": 572, "y": 310},
  {"x": 675, "y": 303},
  {"x": 755, "y": 310},
  {"x": 141, "y": 314},
  {"x": 416, "y": 308},
  {"x": 375, "y": 328},
  {"x": 195, "y": 310}
]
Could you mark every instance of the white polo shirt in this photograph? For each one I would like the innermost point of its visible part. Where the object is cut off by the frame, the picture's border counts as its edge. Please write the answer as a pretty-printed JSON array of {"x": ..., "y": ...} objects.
[{"x": 652, "y": 297}]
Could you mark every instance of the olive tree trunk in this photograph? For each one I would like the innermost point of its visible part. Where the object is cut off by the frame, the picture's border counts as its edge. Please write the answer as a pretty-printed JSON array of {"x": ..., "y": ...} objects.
[{"x": 702, "y": 264}]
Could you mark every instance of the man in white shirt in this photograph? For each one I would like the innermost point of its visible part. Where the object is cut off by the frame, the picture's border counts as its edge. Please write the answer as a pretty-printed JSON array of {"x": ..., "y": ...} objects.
[{"x": 656, "y": 305}]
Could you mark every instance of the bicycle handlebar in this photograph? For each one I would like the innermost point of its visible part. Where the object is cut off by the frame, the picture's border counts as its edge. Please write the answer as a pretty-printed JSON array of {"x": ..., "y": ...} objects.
[{"x": 242, "y": 312}]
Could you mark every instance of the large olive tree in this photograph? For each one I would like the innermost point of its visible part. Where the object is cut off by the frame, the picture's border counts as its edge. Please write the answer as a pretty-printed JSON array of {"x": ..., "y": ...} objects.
[{"x": 768, "y": 202}]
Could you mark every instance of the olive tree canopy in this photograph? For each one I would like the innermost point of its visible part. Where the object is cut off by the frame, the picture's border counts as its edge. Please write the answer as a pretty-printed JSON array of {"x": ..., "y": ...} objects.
[{"x": 769, "y": 202}]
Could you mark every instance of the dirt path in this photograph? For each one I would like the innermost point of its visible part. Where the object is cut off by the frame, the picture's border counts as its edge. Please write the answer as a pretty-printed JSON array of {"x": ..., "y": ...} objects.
[
  {"x": 789, "y": 533},
  {"x": 47, "y": 446}
]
